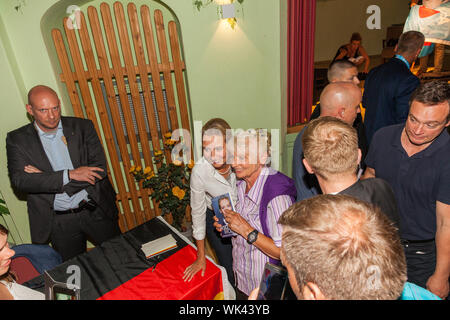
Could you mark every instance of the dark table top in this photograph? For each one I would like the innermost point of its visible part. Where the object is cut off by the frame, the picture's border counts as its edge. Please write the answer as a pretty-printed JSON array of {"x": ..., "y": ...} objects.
[{"x": 111, "y": 264}]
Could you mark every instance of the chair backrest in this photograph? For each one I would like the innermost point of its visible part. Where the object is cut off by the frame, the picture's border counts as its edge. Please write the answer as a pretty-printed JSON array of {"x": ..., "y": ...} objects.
[
  {"x": 42, "y": 257},
  {"x": 23, "y": 269},
  {"x": 394, "y": 32}
]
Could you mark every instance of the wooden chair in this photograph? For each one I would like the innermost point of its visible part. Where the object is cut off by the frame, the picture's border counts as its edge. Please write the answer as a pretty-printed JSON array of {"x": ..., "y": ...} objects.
[{"x": 392, "y": 35}]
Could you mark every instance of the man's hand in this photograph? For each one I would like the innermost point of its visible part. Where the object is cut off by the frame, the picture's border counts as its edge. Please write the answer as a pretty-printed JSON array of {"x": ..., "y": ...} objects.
[
  {"x": 438, "y": 286},
  {"x": 30, "y": 169},
  {"x": 86, "y": 174}
]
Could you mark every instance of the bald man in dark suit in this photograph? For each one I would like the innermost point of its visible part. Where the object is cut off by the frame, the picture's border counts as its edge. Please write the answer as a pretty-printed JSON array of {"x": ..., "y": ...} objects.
[{"x": 60, "y": 164}]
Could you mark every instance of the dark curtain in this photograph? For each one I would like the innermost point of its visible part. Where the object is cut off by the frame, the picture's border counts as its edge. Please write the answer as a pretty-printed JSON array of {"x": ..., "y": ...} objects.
[{"x": 301, "y": 30}]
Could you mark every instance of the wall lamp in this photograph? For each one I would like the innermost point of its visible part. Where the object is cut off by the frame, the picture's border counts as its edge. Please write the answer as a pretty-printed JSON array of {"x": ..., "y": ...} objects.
[
  {"x": 228, "y": 12},
  {"x": 226, "y": 9}
]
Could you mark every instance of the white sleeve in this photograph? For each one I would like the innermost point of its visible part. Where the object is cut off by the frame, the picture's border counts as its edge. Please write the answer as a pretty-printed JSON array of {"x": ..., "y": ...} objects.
[{"x": 198, "y": 205}]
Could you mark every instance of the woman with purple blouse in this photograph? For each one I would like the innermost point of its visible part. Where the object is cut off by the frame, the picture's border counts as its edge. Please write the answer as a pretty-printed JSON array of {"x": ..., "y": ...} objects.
[{"x": 263, "y": 195}]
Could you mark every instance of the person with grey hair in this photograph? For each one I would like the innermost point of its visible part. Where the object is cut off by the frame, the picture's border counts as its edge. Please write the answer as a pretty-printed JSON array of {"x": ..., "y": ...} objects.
[
  {"x": 388, "y": 87},
  {"x": 263, "y": 195}
]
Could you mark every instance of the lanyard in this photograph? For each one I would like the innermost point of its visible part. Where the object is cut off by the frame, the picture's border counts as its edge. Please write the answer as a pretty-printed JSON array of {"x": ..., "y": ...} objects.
[{"x": 404, "y": 60}]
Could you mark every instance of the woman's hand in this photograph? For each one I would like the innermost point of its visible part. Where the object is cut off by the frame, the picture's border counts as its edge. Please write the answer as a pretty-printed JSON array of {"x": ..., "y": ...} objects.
[
  {"x": 217, "y": 225},
  {"x": 237, "y": 223},
  {"x": 191, "y": 271}
]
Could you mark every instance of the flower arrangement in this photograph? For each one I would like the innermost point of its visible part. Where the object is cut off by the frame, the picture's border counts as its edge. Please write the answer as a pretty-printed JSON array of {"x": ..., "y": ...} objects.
[{"x": 170, "y": 185}]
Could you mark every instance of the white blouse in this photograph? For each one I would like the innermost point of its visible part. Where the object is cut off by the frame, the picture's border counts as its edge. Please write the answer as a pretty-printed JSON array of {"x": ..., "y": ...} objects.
[
  {"x": 20, "y": 292},
  {"x": 207, "y": 183}
]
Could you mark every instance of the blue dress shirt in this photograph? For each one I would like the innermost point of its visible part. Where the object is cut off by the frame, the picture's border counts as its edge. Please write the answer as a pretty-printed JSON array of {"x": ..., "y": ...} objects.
[{"x": 55, "y": 147}]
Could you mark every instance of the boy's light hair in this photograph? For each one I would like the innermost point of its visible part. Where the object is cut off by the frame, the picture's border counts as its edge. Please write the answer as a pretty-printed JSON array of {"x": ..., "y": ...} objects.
[
  {"x": 346, "y": 246},
  {"x": 330, "y": 146}
]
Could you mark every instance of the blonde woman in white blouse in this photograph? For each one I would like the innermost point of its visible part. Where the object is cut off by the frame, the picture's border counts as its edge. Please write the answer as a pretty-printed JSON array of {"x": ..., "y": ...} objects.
[{"x": 211, "y": 177}]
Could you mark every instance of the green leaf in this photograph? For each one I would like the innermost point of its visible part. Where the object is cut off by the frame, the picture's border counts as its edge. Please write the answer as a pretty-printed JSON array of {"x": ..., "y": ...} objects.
[
  {"x": 4, "y": 210},
  {"x": 198, "y": 4}
]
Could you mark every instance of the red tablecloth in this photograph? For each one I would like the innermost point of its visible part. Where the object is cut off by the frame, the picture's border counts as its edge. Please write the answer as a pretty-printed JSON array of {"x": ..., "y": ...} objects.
[{"x": 165, "y": 281}]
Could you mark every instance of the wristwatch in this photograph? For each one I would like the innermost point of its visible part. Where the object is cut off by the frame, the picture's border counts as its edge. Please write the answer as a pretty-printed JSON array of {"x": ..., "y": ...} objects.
[{"x": 252, "y": 236}]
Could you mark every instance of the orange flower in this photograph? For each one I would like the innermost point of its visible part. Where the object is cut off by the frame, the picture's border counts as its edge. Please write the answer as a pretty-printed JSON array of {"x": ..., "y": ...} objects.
[
  {"x": 170, "y": 142},
  {"x": 191, "y": 164},
  {"x": 132, "y": 169},
  {"x": 147, "y": 170},
  {"x": 179, "y": 193},
  {"x": 150, "y": 176},
  {"x": 168, "y": 135},
  {"x": 138, "y": 168},
  {"x": 177, "y": 163},
  {"x": 158, "y": 153}
]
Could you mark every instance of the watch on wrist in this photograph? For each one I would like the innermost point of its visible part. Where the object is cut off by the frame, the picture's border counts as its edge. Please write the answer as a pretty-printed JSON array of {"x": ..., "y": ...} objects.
[{"x": 252, "y": 236}]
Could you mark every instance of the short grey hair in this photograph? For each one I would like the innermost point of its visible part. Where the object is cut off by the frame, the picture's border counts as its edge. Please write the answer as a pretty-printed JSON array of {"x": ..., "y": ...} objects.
[{"x": 255, "y": 141}]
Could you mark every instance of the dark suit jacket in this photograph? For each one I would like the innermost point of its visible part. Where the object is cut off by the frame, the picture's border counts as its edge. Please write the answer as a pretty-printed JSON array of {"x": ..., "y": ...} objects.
[
  {"x": 24, "y": 147},
  {"x": 387, "y": 90}
]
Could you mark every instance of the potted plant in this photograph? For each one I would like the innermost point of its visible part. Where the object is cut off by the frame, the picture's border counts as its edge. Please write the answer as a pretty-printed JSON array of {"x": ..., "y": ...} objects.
[{"x": 169, "y": 185}]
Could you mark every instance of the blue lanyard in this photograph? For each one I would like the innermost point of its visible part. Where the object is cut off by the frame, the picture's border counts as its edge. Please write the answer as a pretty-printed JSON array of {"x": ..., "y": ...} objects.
[{"x": 403, "y": 59}]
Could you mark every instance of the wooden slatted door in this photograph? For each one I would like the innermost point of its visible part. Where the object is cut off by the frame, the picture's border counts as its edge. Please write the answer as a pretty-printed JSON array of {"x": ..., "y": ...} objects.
[{"x": 131, "y": 86}]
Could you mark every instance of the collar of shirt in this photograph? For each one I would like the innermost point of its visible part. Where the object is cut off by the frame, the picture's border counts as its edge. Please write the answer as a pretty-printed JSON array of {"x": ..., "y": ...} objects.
[
  {"x": 212, "y": 171},
  {"x": 255, "y": 193},
  {"x": 441, "y": 140},
  {"x": 49, "y": 135},
  {"x": 400, "y": 57}
]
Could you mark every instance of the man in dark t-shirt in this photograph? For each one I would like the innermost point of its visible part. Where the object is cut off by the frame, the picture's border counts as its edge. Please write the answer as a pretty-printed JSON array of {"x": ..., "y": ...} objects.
[
  {"x": 414, "y": 158},
  {"x": 330, "y": 148},
  {"x": 340, "y": 100}
]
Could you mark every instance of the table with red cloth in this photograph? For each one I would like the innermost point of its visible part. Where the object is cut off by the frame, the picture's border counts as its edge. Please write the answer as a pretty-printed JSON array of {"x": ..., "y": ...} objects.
[{"x": 119, "y": 270}]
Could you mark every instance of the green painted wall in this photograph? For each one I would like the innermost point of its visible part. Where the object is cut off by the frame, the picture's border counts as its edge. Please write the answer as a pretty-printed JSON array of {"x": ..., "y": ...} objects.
[
  {"x": 233, "y": 74},
  {"x": 12, "y": 116}
]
